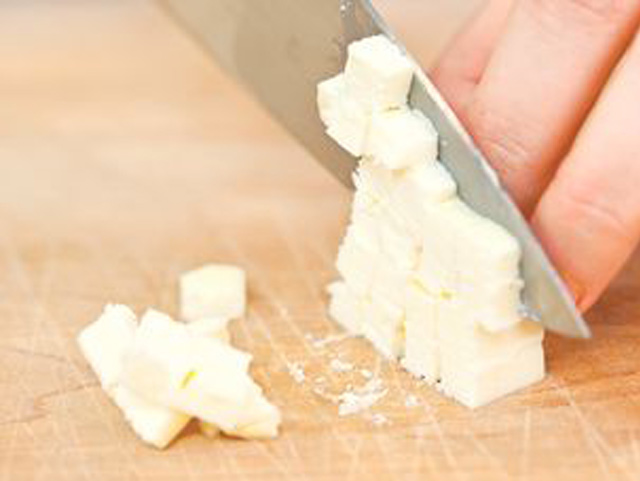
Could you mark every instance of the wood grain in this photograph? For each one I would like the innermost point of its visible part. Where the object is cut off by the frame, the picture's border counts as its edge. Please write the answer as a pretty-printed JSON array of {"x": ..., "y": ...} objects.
[{"x": 127, "y": 158}]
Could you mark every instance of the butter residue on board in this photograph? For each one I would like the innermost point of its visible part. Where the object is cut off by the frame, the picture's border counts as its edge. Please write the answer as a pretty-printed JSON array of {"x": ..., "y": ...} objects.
[{"x": 423, "y": 277}]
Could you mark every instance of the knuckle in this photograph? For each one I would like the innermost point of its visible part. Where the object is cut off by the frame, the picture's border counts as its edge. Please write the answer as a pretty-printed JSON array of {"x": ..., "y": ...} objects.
[
  {"x": 502, "y": 140},
  {"x": 597, "y": 214}
]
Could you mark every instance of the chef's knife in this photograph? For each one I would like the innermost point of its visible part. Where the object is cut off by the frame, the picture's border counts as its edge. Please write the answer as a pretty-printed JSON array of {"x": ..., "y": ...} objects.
[{"x": 281, "y": 49}]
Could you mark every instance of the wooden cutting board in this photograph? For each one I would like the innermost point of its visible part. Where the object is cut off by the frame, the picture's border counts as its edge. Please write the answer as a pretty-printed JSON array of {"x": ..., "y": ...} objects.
[{"x": 126, "y": 159}]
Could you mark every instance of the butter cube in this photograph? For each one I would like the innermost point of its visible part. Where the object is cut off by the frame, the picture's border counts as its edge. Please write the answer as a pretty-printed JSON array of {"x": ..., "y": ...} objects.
[
  {"x": 478, "y": 383},
  {"x": 345, "y": 307},
  {"x": 401, "y": 138},
  {"x": 104, "y": 342},
  {"x": 422, "y": 352},
  {"x": 384, "y": 325},
  {"x": 213, "y": 291},
  {"x": 377, "y": 74},
  {"x": 418, "y": 190},
  {"x": 154, "y": 424},
  {"x": 355, "y": 263},
  {"x": 329, "y": 95},
  {"x": 346, "y": 121},
  {"x": 214, "y": 328}
]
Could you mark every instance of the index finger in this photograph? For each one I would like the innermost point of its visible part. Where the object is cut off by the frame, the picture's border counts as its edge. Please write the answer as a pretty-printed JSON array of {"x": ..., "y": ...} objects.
[{"x": 589, "y": 217}]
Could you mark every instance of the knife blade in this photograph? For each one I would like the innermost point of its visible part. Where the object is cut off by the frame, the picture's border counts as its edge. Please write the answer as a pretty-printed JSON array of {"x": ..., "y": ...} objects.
[{"x": 281, "y": 49}]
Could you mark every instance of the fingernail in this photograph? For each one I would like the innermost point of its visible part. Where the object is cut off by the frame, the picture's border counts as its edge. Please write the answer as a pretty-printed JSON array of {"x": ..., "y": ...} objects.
[{"x": 577, "y": 291}]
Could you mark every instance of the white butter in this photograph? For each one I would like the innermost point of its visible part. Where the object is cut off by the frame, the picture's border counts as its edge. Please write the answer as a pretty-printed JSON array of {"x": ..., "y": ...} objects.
[
  {"x": 345, "y": 307},
  {"x": 384, "y": 326},
  {"x": 104, "y": 344},
  {"x": 171, "y": 366},
  {"x": 213, "y": 291},
  {"x": 154, "y": 424},
  {"x": 214, "y": 328},
  {"x": 355, "y": 263},
  {"x": 330, "y": 93},
  {"x": 401, "y": 138},
  {"x": 377, "y": 75},
  {"x": 478, "y": 383},
  {"x": 347, "y": 121},
  {"x": 424, "y": 277},
  {"x": 422, "y": 352}
]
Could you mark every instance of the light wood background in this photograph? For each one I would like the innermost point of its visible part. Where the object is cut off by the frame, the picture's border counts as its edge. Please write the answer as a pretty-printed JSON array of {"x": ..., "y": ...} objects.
[{"x": 127, "y": 158}]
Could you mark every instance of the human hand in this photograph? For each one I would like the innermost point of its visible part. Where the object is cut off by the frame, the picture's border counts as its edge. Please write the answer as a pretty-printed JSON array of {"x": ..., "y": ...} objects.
[{"x": 550, "y": 90}]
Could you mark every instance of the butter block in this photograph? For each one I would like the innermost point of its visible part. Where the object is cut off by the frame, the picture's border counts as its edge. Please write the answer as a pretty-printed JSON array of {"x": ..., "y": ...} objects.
[
  {"x": 401, "y": 138},
  {"x": 423, "y": 276},
  {"x": 377, "y": 75},
  {"x": 213, "y": 291}
]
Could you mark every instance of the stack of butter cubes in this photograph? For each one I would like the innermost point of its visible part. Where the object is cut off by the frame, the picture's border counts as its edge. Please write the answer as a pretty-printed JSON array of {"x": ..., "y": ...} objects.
[{"x": 425, "y": 278}]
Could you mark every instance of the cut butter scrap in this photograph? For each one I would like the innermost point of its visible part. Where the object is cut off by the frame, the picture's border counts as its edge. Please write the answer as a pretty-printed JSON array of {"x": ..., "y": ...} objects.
[
  {"x": 213, "y": 327},
  {"x": 203, "y": 377},
  {"x": 401, "y": 138},
  {"x": 154, "y": 424},
  {"x": 479, "y": 383},
  {"x": 377, "y": 75},
  {"x": 347, "y": 122},
  {"x": 424, "y": 277},
  {"x": 213, "y": 291},
  {"x": 422, "y": 354},
  {"x": 104, "y": 344},
  {"x": 346, "y": 307},
  {"x": 355, "y": 264},
  {"x": 384, "y": 326}
]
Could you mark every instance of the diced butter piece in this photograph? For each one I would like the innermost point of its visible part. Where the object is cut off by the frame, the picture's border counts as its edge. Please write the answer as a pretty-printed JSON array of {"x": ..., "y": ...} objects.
[
  {"x": 173, "y": 367},
  {"x": 346, "y": 121},
  {"x": 154, "y": 424},
  {"x": 217, "y": 329},
  {"x": 384, "y": 326},
  {"x": 406, "y": 195},
  {"x": 214, "y": 327},
  {"x": 418, "y": 190},
  {"x": 401, "y": 138},
  {"x": 377, "y": 75},
  {"x": 329, "y": 95},
  {"x": 422, "y": 353},
  {"x": 355, "y": 263},
  {"x": 477, "y": 383},
  {"x": 391, "y": 281},
  {"x": 474, "y": 261},
  {"x": 104, "y": 344},
  {"x": 213, "y": 291},
  {"x": 345, "y": 307}
]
